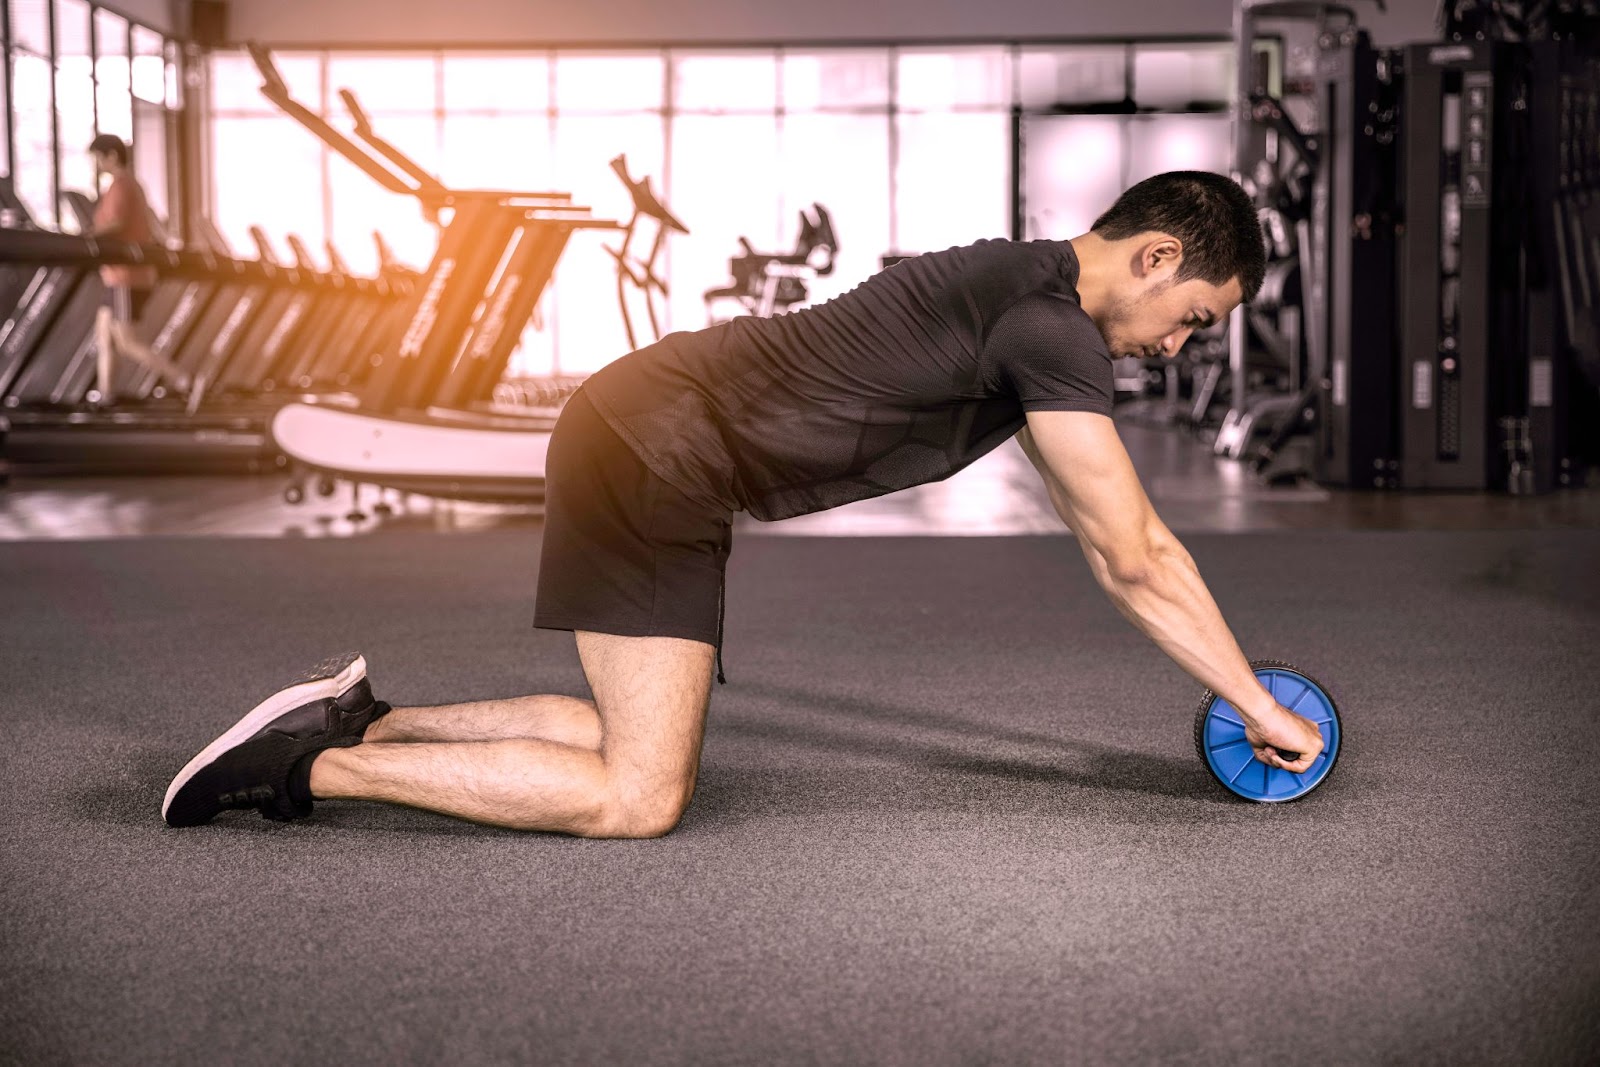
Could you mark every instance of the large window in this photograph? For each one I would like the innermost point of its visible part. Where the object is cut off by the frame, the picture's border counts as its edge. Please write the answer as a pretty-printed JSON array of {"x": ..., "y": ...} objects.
[
  {"x": 74, "y": 70},
  {"x": 1097, "y": 119},
  {"x": 952, "y": 158},
  {"x": 152, "y": 78},
  {"x": 604, "y": 106},
  {"x": 113, "y": 75},
  {"x": 399, "y": 94},
  {"x": 33, "y": 145},
  {"x": 910, "y": 149},
  {"x": 75, "y": 119},
  {"x": 266, "y": 171}
]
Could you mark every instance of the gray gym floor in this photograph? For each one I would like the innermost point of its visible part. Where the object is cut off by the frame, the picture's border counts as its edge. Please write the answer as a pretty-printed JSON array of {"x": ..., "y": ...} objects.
[{"x": 950, "y": 810}]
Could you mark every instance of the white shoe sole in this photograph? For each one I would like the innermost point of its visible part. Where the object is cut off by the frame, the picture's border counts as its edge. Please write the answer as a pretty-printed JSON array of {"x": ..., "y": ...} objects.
[{"x": 278, "y": 703}]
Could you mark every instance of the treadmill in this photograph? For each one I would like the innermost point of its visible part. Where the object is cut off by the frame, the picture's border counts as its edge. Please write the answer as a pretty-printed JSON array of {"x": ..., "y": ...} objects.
[
  {"x": 211, "y": 299},
  {"x": 424, "y": 422},
  {"x": 169, "y": 316},
  {"x": 43, "y": 336}
]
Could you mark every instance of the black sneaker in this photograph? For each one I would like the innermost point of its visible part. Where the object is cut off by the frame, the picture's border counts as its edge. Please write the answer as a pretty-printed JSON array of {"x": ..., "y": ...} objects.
[{"x": 250, "y": 765}]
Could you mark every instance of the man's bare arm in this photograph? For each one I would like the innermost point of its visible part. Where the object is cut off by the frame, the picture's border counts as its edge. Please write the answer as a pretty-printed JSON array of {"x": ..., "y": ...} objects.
[{"x": 1146, "y": 572}]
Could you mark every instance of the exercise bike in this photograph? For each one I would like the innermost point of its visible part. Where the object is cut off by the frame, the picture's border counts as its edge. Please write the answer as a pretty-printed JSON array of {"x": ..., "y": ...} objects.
[{"x": 770, "y": 283}]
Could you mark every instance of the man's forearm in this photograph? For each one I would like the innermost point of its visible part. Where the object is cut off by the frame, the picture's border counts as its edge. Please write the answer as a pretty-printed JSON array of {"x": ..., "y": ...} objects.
[{"x": 1171, "y": 605}]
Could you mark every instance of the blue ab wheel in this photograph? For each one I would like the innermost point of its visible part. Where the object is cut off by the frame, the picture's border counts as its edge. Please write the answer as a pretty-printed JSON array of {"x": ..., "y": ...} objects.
[{"x": 1221, "y": 744}]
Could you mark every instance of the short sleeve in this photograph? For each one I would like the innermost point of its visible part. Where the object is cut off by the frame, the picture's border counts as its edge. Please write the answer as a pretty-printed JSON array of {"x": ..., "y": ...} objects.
[
  {"x": 1047, "y": 352},
  {"x": 112, "y": 209}
]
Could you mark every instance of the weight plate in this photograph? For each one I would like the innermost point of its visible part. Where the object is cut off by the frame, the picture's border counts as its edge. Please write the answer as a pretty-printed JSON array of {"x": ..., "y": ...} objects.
[{"x": 1220, "y": 742}]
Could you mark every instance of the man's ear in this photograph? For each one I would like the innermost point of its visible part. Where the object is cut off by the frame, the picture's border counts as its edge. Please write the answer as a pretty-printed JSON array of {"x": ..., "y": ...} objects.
[{"x": 1162, "y": 254}]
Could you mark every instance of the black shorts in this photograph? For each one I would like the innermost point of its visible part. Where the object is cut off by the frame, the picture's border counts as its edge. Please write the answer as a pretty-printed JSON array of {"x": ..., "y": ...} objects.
[{"x": 625, "y": 552}]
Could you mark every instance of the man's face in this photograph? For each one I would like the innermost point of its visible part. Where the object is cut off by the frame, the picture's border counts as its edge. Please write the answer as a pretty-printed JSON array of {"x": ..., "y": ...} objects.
[{"x": 1154, "y": 316}]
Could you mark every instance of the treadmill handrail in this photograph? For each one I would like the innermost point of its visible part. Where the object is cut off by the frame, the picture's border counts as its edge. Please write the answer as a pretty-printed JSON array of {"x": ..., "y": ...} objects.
[
  {"x": 275, "y": 90},
  {"x": 336, "y": 263},
  {"x": 44, "y": 248},
  {"x": 427, "y": 185},
  {"x": 514, "y": 197},
  {"x": 430, "y": 189},
  {"x": 264, "y": 250}
]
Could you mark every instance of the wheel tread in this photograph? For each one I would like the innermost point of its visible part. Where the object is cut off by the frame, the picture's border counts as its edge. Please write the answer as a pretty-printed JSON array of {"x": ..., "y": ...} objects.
[{"x": 1204, "y": 707}]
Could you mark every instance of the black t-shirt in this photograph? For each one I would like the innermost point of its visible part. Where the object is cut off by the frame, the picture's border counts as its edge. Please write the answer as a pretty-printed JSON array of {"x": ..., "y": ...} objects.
[{"x": 906, "y": 379}]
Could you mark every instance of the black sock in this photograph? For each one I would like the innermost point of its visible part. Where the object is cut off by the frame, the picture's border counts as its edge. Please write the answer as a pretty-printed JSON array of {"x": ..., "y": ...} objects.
[{"x": 300, "y": 778}]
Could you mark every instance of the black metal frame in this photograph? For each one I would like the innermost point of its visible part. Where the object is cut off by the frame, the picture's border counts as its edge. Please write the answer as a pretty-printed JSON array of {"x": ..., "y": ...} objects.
[
  {"x": 1460, "y": 377},
  {"x": 5, "y": 55},
  {"x": 1563, "y": 412},
  {"x": 1353, "y": 226}
]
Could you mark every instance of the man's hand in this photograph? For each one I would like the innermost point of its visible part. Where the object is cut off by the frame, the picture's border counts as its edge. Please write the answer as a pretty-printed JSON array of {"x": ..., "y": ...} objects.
[{"x": 1281, "y": 730}]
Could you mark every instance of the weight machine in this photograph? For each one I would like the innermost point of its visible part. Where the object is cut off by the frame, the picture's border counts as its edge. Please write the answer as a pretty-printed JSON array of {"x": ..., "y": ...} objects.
[
  {"x": 770, "y": 283},
  {"x": 1281, "y": 152},
  {"x": 1454, "y": 310}
]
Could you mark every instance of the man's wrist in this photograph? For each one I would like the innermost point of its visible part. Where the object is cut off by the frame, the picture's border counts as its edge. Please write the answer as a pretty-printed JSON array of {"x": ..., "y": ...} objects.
[{"x": 1259, "y": 707}]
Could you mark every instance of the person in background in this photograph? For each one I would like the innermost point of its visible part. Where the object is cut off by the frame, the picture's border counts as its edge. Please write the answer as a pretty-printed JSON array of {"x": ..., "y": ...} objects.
[{"x": 122, "y": 213}]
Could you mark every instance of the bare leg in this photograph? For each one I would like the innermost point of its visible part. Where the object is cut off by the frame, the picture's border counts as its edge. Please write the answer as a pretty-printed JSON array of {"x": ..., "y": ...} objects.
[
  {"x": 565, "y": 720},
  {"x": 105, "y": 353},
  {"x": 128, "y": 345},
  {"x": 651, "y": 696}
]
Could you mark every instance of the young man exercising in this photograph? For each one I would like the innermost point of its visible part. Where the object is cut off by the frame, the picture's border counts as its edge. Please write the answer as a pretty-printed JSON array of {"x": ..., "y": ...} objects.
[{"x": 904, "y": 380}]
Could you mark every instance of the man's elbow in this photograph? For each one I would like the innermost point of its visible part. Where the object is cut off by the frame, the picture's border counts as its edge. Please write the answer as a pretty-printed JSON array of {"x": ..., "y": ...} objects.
[
  {"x": 1130, "y": 568},
  {"x": 1135, "y": 564}
]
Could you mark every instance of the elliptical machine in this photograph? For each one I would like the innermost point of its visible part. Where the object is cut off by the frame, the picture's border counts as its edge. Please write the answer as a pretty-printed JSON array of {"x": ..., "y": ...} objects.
[{"x": 632, "y": 270}]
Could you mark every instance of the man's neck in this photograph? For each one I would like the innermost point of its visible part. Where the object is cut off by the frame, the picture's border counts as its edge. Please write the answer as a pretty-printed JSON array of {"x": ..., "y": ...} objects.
[{"x": 1095, "y": 271}]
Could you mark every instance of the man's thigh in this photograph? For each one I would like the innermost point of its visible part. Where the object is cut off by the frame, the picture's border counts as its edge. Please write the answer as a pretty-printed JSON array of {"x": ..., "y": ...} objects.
[{"x": 652, "y": 694}]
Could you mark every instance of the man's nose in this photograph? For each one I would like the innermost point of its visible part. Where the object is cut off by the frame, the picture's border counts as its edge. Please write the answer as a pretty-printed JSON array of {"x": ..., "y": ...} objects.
[{"x": 1171, "y": 343}]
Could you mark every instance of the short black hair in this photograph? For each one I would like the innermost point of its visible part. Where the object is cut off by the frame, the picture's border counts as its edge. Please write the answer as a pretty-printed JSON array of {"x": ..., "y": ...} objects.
[
  {"x": 109, "y": 144},
  {"x": 1213, "y": 217}
]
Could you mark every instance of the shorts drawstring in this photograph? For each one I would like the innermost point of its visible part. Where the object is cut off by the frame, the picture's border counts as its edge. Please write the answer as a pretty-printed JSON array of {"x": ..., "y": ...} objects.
[{"x": 722, "y": 607}]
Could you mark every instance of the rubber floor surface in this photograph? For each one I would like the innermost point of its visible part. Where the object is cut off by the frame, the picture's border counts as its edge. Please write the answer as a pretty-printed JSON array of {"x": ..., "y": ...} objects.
[{"x": 949, "y": 813}]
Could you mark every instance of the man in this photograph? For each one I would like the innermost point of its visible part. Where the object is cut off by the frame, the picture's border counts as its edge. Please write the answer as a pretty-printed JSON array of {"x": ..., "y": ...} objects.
[
  {"x": 122, "y": 213},
  {"x": 904, "y": 380}
]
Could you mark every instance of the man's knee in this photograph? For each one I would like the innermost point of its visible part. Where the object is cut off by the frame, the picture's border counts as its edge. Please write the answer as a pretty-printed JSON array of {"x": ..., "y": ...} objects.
[{"x": 644, "y": 808}]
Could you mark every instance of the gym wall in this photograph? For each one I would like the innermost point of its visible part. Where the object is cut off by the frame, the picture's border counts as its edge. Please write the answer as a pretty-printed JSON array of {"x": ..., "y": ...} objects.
[{"x": 430, "y": 23}]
